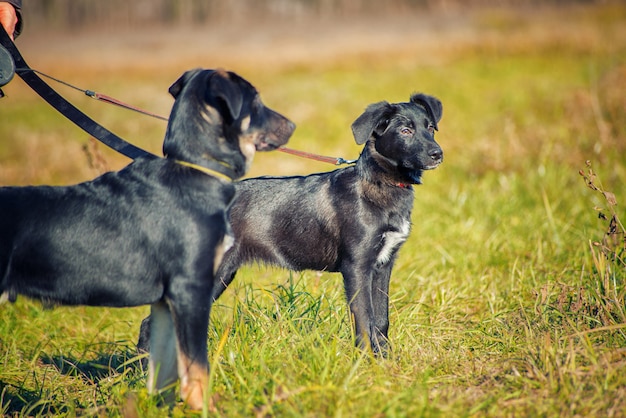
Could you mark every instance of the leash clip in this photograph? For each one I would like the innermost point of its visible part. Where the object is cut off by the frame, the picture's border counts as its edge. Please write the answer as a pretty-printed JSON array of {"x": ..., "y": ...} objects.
[{"x": 342, "y": 161}]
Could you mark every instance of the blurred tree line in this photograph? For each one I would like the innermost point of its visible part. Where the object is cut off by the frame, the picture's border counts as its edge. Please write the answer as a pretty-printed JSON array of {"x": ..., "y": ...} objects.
[{"x": 79, "y": 13}]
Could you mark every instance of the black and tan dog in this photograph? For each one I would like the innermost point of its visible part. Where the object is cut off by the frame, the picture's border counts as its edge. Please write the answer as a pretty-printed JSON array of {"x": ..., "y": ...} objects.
[
  {"x": 152, "y": 233},
  {"x": 351, "y": 220}
]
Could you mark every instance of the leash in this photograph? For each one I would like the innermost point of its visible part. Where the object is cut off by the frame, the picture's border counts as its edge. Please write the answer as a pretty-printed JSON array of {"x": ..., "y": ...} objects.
[
  {"x": 66, "y": 108},
  {"x": 316, "y": 157},
  {"x": 13, "y": 62},
  {"x": 100, "y": 96}
]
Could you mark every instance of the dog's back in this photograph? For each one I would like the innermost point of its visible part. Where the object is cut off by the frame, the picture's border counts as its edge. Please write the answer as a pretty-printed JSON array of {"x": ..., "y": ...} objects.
[
  {"x": 290, "y": 221},
  {"x": 95, "y": 244}
]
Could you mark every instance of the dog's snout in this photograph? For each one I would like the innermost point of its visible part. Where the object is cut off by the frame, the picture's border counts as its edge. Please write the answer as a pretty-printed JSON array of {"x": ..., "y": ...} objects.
[
  {"x": 290, "y": 128},
  {"x": 436, "y": 154},
  {"x": 277, "y": 134},
  {"x": 283, "y": 131}
]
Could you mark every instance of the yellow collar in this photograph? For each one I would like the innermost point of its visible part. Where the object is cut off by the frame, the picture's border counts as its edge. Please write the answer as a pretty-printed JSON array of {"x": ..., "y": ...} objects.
[{"x": 205, "y": 170}]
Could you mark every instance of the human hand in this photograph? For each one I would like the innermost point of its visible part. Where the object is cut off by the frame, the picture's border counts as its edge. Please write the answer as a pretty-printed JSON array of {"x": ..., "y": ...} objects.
[{"x": 8, "y": 18}]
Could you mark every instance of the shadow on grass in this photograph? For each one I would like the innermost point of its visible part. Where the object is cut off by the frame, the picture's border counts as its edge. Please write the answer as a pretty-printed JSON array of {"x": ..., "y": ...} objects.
[
  {"x": 18, "y": 400},
  {"x": 102, "y": 367}
]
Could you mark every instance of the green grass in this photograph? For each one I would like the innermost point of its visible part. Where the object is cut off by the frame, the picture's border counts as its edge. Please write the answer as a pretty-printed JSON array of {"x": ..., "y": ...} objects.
[{"x": 508, "y": 299}]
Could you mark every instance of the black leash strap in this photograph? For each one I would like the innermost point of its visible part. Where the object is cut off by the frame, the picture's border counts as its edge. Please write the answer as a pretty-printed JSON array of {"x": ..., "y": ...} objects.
[
  {"x": 66, "y": 108},
  {"x": 11, "y": 61}
]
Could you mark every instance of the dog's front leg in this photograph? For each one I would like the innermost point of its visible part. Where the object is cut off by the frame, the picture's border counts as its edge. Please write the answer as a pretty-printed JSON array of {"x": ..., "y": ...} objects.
[
  {"x": 380, "y": 303},
  {"x": 191, "y": 318},
  {"x": 358, "y": 286}
]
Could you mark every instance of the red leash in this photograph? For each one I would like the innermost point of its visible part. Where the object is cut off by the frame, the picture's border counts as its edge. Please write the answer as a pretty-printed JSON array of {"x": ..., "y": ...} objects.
[
  {"x": 303, "y": 154},
  {"x": 110, "y": 100}
]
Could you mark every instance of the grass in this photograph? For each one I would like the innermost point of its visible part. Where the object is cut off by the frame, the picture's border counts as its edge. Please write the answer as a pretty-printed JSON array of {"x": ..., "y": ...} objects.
[{"x": 508, "y": 299}]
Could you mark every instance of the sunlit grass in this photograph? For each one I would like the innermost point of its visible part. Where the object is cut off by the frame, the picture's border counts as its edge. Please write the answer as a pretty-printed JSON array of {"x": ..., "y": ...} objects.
[{"x": 505, "y": 300}]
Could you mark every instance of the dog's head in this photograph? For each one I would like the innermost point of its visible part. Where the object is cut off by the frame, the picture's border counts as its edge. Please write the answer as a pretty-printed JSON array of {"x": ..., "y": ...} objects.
[
  {"x": 219, "y": 116},
  {"x": 400, "y": 136}
]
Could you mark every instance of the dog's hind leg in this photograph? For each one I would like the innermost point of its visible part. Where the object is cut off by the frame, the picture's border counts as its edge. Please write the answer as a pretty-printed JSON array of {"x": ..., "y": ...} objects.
[
  {"x": 143, "y": 342},
  {"x": 162, "y": 370}
]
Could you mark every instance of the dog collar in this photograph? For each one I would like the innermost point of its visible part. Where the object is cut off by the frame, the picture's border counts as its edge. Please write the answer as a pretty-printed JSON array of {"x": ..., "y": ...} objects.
[
  {"x": 404, "y": 185},
  {"x": 205, "y": 170}
]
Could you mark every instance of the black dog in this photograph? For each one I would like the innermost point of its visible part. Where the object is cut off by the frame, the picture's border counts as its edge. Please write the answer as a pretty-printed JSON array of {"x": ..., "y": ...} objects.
[
  {"x": 152, "y": 233},
  {"x": 351, "y": 220}
]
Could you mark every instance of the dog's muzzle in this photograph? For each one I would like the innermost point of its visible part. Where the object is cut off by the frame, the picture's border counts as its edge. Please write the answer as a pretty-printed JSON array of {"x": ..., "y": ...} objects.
[
  {"x": 277, "y": 136},
  {"x": 436, "y": 157}
]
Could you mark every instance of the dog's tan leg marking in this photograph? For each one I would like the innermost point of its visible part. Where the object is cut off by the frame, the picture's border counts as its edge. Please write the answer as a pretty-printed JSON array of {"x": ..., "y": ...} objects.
[
  {"x": 162, "y": 370},
  {"x": 194, "y": 381}
]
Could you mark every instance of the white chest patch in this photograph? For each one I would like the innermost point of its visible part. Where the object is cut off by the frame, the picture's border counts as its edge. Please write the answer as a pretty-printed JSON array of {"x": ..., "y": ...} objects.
[
  {"x": 391, "y": 241},
  {"x": 229, "y": 241},
  {"x": 221, "y": 249}
]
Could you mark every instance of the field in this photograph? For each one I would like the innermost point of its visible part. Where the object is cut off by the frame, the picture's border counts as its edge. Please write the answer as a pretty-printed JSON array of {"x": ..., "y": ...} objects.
[{"x": 508, "y": 298}]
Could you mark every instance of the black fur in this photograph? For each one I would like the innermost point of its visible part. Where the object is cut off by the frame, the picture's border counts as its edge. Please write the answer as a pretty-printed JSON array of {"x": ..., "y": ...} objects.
[
  {"x": 352, "y": 220},
  {"x": 152, "y": 233}
]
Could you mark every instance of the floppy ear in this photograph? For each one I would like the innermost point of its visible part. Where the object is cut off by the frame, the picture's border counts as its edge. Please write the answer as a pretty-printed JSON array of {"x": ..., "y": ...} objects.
[
  {"x": 431, "y": 104},
  {"x": 225, "y": 86},
  {"x": 178, "y": 85},
  {"x": 375, "y": 118}
]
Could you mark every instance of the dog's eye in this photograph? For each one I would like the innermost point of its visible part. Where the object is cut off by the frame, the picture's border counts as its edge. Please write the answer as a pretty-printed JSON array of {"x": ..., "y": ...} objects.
[
  {"x": 406, "y": 131},
  {"x": 431, "y": 128}
]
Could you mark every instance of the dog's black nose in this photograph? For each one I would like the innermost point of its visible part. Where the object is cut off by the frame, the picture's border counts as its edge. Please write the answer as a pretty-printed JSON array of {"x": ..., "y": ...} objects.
[{"x": 436, "y": 154}]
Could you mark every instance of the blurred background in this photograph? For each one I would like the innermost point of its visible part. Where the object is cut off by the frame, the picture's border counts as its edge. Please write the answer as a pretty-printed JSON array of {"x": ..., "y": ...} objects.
[
  {"x": 503, "y": 69},
  {"x": 119, "y": 13}
]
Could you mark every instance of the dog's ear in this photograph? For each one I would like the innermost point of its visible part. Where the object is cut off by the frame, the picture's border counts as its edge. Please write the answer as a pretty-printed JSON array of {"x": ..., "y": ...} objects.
[
  {"x": 178, "y": 85},
  {"x": 432, "y": 105},
  {"x": 226, "y": 87},
  {"x": 374, "y": 119}
]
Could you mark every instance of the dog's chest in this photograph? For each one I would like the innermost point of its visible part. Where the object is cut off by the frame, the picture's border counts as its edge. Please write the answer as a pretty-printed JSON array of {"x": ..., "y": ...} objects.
[{"x": 392, "y": 240}]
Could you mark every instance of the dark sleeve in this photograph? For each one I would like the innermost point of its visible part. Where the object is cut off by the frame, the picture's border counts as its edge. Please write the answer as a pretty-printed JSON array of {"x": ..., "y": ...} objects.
[
  {"x": 18, "y": 6},
  {"x": 16, "y": 3}
]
